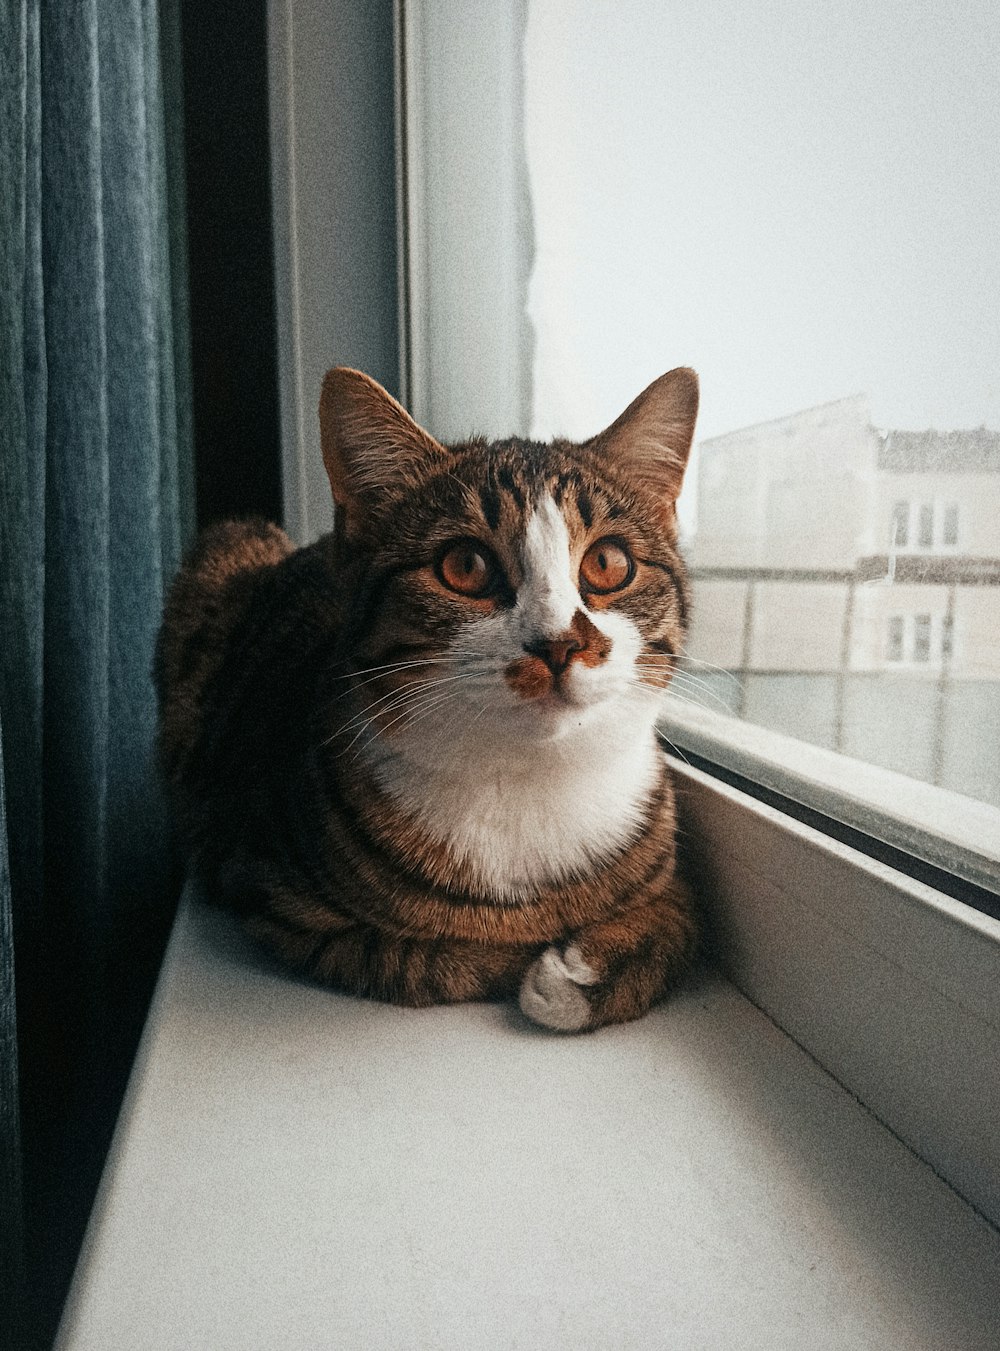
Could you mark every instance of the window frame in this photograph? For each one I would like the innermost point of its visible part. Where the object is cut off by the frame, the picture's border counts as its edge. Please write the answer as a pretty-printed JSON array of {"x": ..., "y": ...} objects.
[{"x": 765, "y": 865}]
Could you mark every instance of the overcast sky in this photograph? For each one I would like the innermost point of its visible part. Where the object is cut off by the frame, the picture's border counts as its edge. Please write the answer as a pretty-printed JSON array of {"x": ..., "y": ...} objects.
[{"x": 800, "y": 200}]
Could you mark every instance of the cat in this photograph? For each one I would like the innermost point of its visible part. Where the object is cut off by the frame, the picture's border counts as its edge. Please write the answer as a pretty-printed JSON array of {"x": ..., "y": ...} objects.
[{"x": 419, "y": 756}]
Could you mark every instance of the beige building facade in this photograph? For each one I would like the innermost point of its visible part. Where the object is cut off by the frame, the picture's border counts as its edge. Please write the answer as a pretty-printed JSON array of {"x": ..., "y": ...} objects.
[{"x": 847, "y": 589}]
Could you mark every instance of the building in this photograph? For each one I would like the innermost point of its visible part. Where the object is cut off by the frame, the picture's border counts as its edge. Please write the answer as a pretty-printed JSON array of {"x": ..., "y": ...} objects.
[{"x": 847, "y": 589}]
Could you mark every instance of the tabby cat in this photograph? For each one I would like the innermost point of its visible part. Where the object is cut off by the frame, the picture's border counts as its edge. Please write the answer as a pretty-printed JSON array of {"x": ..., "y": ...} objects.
[{"x": 419, "y": 756}]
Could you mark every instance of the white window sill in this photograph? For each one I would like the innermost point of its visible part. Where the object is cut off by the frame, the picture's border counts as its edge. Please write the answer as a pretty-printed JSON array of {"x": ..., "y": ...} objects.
[
  {"x": 298, "y": 1169},
  {"x": 950, "y": 831}
]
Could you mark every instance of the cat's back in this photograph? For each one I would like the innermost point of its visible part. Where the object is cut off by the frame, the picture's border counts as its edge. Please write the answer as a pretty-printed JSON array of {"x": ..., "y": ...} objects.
[{"x": 236, "y": 660}]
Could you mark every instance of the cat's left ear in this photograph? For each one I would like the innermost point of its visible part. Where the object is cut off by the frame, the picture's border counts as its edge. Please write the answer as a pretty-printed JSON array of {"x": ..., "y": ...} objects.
[
  {"x": 370, "y": 443},
  {"x": 652, "y": 439}
]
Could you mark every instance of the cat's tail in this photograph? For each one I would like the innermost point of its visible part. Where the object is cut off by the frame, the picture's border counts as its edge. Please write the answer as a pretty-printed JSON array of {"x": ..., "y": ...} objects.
[{"x": 206, "y": 606}]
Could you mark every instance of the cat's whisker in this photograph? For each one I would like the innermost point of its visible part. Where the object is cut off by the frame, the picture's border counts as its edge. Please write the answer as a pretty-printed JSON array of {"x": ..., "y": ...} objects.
[
  {"x": 390, "y": 666},
  {"x": 674, "y": 689},
  {"x": 377, "y": 732},
  {"x": 702, "y": 688},
  {"x": 398, "y": 697},
  {"x": 709, "y": 666},
  {"x": 392, "y": 695},
  {"x": 390, "y": 672},
  {"x": 410, "y": 699},
  {"x": 675, "y": 749},
  {"x": 383, "y": 672},
  {"x": 391, "y": 700},
  {"x": 436, "y": 707},
  {"x": 416, "y": 661},
  {"x": 694, "y": 702},
  {"x": 414, "y": 716},
  {"x": 346, "y": 694},
  {"x": 683, "y": 672}
]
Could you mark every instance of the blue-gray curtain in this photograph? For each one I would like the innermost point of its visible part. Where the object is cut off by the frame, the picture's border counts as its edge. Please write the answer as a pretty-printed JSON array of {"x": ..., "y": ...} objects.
[{"x": 95, "y": 504}]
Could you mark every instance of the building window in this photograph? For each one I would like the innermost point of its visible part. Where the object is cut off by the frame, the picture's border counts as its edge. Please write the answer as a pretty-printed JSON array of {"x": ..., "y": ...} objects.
[
  {"x": 900, "y": 525},
  {"x": 919, "y": 639},
  {"x": 924, "y": 525},
  {"x": 894, "y": 644},
  {"x": 922, "y": 638}
]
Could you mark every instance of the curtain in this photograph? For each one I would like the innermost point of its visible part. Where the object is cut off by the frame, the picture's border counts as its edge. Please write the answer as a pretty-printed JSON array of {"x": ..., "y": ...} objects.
[{"x": 95, "y": 505}]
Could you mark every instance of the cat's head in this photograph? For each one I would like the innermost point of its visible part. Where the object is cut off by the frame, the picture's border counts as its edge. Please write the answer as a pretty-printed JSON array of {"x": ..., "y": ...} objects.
[{"x": 531, "y": 588}]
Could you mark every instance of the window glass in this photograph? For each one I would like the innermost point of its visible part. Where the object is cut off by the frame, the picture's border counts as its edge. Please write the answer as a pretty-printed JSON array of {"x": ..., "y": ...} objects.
[
  {"x": 951, "y": 525},
  {"x": 796, "y": 200},
  {"x": 900, "y": 525},
  {"x": 922, "y": 638},
  {"x": 894, "y": 646}
]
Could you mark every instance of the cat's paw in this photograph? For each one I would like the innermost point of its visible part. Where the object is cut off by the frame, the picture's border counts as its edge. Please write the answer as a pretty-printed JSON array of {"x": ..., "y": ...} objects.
[{"x": 551, "y": 992}]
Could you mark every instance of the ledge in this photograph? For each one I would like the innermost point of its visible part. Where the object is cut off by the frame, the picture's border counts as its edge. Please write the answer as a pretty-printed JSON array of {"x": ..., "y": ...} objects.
[
  {"x": 950, "y": 831},
  {"x": 295, "y": 1168}
]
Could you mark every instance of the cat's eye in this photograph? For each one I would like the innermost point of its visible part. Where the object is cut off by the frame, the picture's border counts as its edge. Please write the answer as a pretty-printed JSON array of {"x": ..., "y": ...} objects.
[
  {"x": 606, "y": 566},
  {"x": 468, "y": 568}
]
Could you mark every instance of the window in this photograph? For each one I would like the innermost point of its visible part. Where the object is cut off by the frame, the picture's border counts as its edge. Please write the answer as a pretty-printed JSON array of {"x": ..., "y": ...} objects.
[
  {"x": 922, "y": 638},
  {"x": 950, "y": 530},
  {"x": 894, "y": 645},
  {"x": 924, "y": 526},
  {"x": 756, "y": 237},
  {"x": 592, "y": 230},
  {"x": 821, "y": 524},
  {"x": 837, "y": 467},
  {"x": 900, "y": 525}
]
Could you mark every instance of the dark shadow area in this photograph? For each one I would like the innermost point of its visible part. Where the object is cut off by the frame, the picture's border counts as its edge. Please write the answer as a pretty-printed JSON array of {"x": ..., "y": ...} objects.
[{"x": 230, "y": 258}]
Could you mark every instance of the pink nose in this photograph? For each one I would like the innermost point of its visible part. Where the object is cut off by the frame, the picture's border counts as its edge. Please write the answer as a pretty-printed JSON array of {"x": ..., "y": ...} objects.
[{"x": 555, "y": 652}]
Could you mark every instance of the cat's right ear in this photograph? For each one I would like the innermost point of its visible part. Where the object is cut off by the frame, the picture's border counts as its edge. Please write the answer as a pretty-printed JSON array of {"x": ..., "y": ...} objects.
[{"x": 370, "y": 443}]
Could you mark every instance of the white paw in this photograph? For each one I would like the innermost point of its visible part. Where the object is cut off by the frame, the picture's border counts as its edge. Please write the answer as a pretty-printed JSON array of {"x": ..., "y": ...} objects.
[{"x": 550, "y": 991}]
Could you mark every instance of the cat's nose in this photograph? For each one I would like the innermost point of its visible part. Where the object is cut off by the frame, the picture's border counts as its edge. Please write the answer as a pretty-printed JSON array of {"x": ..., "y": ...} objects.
[{"x": 555, "y": 652}]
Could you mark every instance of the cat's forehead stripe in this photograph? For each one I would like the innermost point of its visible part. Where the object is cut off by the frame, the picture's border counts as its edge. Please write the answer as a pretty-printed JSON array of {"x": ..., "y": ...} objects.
[
  {"x": 549, "y": 598},
  {"x": 489, "y": 500},
  {"x": 571, "y": 483},
  {"x": 546, "y": 538}
]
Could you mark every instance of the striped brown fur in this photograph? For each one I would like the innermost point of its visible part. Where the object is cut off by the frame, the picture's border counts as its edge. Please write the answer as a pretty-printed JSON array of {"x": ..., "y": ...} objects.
[{"x": 269, "y": 657}]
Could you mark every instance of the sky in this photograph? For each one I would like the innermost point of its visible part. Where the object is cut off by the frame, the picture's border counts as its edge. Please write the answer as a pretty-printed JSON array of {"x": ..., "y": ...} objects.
[{"x": 800, "y": 201}]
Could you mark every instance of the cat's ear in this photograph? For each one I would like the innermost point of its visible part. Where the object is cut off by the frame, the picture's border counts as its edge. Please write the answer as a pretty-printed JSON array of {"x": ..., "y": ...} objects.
[
  {"x": 370, "y": 443},
  {"x": 652, "y": 439}
]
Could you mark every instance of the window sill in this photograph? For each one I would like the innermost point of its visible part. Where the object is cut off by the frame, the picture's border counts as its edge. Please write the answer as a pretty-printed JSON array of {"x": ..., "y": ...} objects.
[
  {"x": 295, "y": 1168},
  {"x": 957, "y": 834}
]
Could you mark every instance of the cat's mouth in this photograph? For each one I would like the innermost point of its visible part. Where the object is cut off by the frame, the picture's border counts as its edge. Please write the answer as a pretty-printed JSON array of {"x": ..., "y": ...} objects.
[
  {"x": 556, "y": 697},
  {"x": 559, "y": 697},
  {"x": 535, "y": 684}
]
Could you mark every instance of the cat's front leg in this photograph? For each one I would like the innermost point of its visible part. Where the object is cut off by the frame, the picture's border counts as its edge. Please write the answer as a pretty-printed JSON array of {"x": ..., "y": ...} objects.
[
  {"x": 363, "y": 959},
  {"x": 614, "y": 971}
]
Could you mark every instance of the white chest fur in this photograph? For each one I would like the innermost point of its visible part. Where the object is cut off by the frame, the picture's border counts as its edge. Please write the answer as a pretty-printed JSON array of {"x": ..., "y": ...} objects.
[{"x": 522, "y": 820}]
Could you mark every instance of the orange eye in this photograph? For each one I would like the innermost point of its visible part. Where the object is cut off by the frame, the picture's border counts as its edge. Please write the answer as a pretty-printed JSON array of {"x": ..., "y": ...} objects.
[
  {"x": 607, "y": 566},
  {"x": 466, "y": 567}
]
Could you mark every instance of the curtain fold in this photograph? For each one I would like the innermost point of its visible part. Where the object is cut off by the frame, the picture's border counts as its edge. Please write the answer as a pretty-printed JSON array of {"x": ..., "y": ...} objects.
[{"x": 95, "y": 503}]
